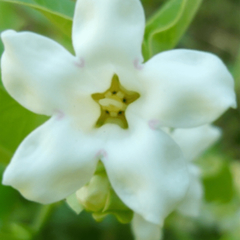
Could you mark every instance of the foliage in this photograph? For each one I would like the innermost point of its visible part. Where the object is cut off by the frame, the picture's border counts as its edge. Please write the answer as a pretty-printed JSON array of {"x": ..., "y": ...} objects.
[
  {"x": 59, "y": 12},
  {"x": 165, "y": 28}
]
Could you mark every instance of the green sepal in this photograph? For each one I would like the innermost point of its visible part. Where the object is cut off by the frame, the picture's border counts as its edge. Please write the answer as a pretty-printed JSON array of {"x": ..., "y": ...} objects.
[
  {"x": 100, "y": 168},
  {"x": 122, "y": 217},
  {"x": 99, "y": 198},
  {"x": 116, "y": 207},
  {"x": 74, "y": 204}
]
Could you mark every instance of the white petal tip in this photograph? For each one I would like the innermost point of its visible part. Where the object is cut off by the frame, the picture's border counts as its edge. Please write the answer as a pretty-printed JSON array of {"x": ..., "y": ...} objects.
[
  {"x": 216, "y": 132},
  {"x": 7, "y": 33},
  {"x": 6, "y": 180},
  {"x": 234, "y": 104}
]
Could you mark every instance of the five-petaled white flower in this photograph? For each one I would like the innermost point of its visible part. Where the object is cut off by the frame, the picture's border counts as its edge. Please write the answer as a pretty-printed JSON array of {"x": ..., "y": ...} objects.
[{"x": 106, "y": 83}]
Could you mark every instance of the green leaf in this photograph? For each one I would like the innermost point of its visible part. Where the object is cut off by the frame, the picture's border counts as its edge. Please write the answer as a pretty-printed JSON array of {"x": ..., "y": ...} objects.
[
  {"x": 16, "y": 123},
  {"x": 60, "y": 12},
  {"x": 166, "y": 27},
  {"x": 9, "y": 18},
  {"x": 219, "y": 187},
  {"x": 7, "y": 199},
  {"x": 20, "y": 232}
]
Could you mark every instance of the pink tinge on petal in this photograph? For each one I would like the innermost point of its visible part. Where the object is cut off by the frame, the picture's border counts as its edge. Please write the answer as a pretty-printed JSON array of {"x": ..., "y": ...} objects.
[
  {"x": 59, "y": 115},
  {"x": 137, "y": 64},
  {"x": 101, "y": 153},
  {"x": 80, "y": 63},
  {"x": 153, "y": 124}
]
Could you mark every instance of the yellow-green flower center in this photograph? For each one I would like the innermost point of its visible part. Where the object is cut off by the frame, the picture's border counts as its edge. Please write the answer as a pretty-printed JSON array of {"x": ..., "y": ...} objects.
[{"x": 113, "y": 103}]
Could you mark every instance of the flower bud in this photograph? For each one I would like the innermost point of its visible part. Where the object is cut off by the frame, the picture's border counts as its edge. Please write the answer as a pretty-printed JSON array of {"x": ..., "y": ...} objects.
[
  {"x": 93, "y": 196},
  {"x": 99, "y": 198}
]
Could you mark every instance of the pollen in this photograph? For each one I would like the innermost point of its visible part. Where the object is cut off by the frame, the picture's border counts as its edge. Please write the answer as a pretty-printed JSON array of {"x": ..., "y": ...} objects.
[{"x": 113, "y": 103}]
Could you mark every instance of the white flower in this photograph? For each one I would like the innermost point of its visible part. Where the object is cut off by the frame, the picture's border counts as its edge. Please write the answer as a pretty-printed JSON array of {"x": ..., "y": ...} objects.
[
  {"x": 193, "y": 142},
  {"x": 146, "y": 168}
]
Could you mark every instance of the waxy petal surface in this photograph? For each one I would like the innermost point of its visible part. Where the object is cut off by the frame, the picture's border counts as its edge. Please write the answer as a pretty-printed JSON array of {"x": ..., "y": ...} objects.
[
  {"x": 108, "y": 31},
  {"x": 194, "y": 141},
  {"x": 191, "y": 204},
  {"x": 54, "y": 161},
  {"x": 37, "y": 71},
  {"x": 186, "y": 88},
  {"x": 147, "y": 171}
]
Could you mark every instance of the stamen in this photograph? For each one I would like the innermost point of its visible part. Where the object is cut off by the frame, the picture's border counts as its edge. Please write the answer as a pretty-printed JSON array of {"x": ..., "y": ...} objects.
[
  {"x": 120, "y": 94},
  {"x": 108, "y": 102}
]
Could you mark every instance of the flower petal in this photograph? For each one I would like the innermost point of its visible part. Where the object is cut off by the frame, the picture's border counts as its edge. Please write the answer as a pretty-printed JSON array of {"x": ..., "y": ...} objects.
[
  {"x": 144, "y": 230},
  {"x": 40, "y": 80},
  {"x": 52, "y": 162},
  {"x": 192, "y": 202},
  {"x": 108, "y": 30},
  {"x": 194, "y": 141},
  {"x": 186, "y": 88},
  {"x": 147, "y": 170}
]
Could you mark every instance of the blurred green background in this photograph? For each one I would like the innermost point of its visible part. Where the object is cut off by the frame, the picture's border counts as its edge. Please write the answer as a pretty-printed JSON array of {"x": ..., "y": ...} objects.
[{"x": 215, "y": 28}]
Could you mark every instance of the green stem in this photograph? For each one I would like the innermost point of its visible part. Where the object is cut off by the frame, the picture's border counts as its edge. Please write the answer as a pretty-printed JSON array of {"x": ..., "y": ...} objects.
[{"x": 42, "y": 216}]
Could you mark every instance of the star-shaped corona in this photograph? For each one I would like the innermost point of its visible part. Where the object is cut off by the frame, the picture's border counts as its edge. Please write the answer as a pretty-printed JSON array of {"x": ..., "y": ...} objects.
[{"x": 113, "y": 103}]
